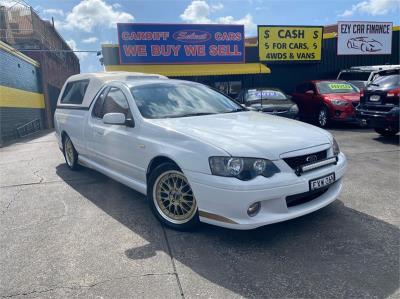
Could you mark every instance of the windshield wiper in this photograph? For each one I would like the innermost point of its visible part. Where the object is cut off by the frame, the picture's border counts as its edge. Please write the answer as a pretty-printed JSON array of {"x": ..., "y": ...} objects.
[
  {"x": 194, "y": 114},
  {"x": 237, "y": 110}
]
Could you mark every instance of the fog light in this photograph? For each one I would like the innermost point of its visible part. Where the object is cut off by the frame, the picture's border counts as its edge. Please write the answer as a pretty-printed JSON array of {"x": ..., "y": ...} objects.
[{"x": 254, "y": 209}]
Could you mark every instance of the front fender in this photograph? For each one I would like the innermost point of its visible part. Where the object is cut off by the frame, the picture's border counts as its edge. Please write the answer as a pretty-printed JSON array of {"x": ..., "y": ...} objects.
[{"x": 187, "y": 152}]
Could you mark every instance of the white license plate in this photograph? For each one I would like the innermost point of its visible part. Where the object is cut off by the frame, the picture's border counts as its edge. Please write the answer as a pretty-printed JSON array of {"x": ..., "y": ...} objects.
[
  {"x": 322, "y": 182},
  {"x": 374, "y": 98}
]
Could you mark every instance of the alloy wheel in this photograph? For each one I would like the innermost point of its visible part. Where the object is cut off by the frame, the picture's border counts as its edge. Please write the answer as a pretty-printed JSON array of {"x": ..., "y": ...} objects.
[
  {"x": 173, "y": 197},
  {"x": 69, "y": 152},
  {"x": 323, "y": 117}
]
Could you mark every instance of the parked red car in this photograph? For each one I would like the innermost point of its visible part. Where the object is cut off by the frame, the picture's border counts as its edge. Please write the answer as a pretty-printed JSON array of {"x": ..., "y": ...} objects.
[{"x": 326, "y": 100}]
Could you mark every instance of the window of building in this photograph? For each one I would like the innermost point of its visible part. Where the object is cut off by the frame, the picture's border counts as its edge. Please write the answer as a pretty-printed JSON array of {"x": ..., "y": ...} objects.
[
  {"x": 235, "y": 87},
  {"x": 231, "y": 88}
]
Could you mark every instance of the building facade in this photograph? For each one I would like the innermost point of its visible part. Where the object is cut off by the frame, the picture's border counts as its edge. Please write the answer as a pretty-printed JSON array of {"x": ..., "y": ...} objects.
[
  {"x": 21, "y": 97},
  {"x": 253, "y": 73},
  {"x": 25, "y": 31}
]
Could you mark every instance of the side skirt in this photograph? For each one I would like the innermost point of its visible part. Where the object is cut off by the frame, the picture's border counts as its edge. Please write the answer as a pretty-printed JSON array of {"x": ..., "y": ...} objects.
[{"x": 138, "y": 186}]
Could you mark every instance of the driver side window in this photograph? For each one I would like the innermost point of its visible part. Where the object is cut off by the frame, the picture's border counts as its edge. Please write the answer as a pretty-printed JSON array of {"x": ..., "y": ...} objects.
[
  {"x": 116, "y": 102},
  {"x": 110, "y": 100},
  {"x": 309, "y": 87},
  {"x": 98, "y": 106}
]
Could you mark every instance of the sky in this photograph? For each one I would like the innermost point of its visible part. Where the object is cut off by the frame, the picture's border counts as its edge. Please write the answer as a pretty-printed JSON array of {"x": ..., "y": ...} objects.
[{"x": 86, "y": 24}]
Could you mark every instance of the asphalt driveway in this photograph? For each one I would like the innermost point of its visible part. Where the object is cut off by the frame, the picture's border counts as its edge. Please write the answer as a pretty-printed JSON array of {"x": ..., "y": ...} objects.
[{"x": 80, "y": 234}]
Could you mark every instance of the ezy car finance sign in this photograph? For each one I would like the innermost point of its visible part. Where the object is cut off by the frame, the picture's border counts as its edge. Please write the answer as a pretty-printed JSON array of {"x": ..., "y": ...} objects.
[{"x": 364, "y": 38}]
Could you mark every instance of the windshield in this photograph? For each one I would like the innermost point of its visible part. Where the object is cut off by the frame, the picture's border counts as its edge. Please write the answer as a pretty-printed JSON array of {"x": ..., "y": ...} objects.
[
  {"x": 354, "y": 76},
  {"x": 387, "y": 81},
  {"x": 165, "y": 100},
  {"x": 265, "y": 94},
  {"x": 336, "y": 87}
]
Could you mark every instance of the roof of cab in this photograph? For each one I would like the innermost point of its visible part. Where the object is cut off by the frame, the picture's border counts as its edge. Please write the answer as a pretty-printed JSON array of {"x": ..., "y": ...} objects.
[{"x": 97, "y": 80}]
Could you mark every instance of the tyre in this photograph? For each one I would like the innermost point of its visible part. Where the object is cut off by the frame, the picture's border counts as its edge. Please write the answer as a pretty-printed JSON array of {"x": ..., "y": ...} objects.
[
  {"x": 364, "y": 47},
  {"x": 323, "y": 117},
  {"x": 171, "y": 198},
  {"x": 70, "y": 154},
  {"x": 386, "y": 131}
]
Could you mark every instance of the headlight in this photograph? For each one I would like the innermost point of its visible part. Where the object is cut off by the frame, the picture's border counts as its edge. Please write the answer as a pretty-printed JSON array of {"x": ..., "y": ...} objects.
[
  {"x": 339, "y": 102},
  {"x": 242, "y": 168},
  {"x": 335, "y": 147},
  {"x": 234, "y": 166},
  {"x": 294, "y": 109}
]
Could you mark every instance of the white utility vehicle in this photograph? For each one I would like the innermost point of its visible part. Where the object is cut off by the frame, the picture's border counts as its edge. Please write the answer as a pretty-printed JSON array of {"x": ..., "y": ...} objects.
[
  {"x": 196, "y": 154},
  {"x": 361, "y": 76}
]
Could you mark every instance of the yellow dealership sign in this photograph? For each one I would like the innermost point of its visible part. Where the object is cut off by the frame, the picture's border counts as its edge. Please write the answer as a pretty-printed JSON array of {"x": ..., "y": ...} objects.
[{"x": 290, "y": 43}]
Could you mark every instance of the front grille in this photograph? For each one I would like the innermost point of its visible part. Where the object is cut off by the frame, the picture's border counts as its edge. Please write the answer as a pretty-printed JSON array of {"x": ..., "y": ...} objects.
[
  {"x": 296, "y": 162},
  {"x": 298, "y": 199}
]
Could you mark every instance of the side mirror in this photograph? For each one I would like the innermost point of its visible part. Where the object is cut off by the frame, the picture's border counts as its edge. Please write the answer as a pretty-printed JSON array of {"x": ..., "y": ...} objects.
[
  {"x": 114, "y": 119},
  {"x": 310, "y": 92}
]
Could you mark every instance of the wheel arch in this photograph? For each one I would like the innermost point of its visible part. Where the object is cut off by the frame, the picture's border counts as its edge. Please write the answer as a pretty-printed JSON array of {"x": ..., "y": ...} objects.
[
  {"x": 158, "y": 160},
  {"x": 63, "y": 135}
]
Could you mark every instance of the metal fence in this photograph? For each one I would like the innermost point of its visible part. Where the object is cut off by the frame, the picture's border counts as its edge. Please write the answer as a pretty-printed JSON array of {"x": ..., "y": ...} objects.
[{"x": 21, "y": 26}]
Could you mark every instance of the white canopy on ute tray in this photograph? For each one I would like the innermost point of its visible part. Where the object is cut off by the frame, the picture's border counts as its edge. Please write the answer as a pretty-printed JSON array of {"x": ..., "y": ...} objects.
[{"x": 97, "y": 80}]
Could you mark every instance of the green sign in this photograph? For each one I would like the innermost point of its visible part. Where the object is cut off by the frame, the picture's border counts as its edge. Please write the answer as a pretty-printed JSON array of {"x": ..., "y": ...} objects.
[{"x": 334, "y": 86}]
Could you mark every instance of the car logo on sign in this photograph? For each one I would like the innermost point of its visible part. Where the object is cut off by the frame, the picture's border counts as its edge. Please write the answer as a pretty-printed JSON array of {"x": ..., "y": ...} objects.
[
  {"x": 192, "y": 36},
  {"x": 312, "y": 158}
]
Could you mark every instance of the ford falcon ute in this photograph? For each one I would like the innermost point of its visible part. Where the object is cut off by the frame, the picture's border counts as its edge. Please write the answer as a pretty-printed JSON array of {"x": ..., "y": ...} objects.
[{"x": 197, "y": 155}]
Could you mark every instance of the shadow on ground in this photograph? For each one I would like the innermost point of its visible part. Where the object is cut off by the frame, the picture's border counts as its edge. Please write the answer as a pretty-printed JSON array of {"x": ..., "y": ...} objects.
[
  {"x": 334, "y": 252},
  {"x": 344, "y": 126},
  {"x": 394, "y": 140},
  {"x": 36, "y": 136}
]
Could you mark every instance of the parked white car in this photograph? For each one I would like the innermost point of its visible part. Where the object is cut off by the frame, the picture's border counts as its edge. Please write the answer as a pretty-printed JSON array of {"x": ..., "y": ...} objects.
[{"x": 197, "y": 155}]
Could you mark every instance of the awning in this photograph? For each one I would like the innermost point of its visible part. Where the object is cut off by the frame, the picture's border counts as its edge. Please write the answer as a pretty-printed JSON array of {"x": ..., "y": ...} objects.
[{"x": 193, "y": 69}]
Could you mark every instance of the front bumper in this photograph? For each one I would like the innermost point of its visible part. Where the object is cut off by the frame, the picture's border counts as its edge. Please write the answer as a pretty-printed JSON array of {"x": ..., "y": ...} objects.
[
  {"x": 343, "y": 113},
  {"x": 224, "y": 201}
]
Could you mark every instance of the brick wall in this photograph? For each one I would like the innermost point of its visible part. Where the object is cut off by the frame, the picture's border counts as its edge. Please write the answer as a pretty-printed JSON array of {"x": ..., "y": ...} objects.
[
  {"x": 19, "y": 74},
  {"x": 11, "y": 118},
  {"x": 54, "y": 72}
]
